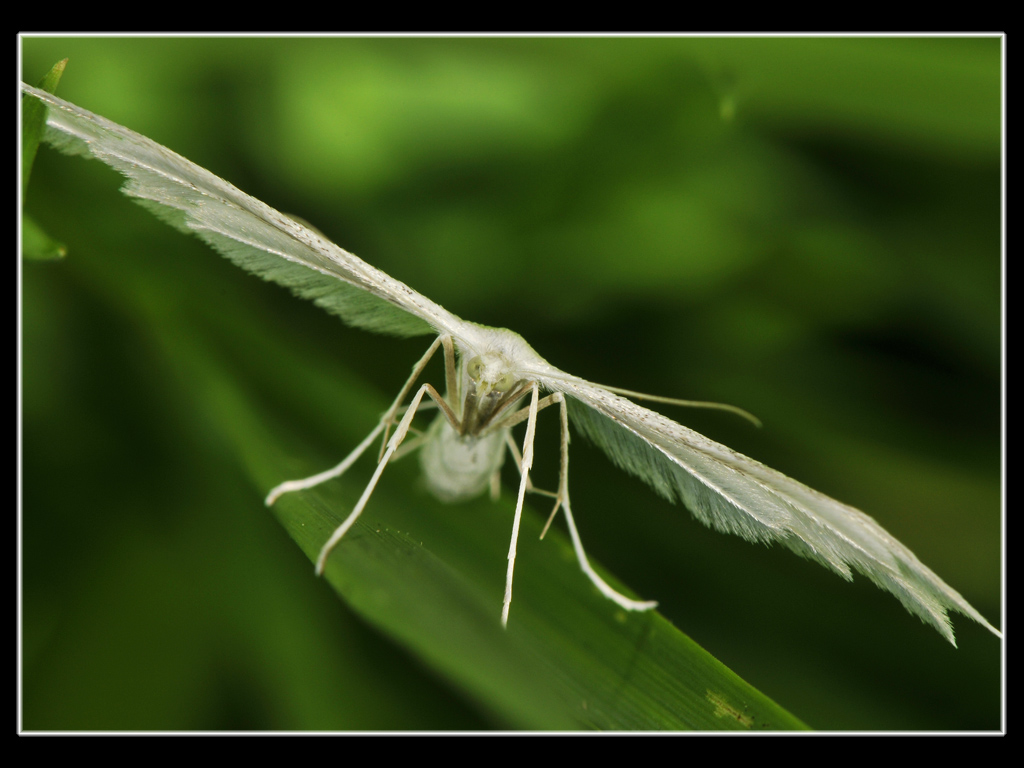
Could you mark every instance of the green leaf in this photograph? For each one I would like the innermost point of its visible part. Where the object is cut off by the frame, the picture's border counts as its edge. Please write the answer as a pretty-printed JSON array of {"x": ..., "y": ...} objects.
[
  {"x": 36, "y": 244},
  {"x": 569, "y": 659},
  {"x": 33, "y": 120}
]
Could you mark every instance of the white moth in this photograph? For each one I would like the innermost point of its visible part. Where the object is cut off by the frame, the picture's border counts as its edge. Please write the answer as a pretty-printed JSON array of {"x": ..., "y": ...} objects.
[{"x": 494, "y": 380}]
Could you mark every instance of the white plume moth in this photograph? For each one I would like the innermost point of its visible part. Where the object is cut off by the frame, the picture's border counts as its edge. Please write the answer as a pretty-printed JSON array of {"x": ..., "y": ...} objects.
[{"x": 494, "y": 381}]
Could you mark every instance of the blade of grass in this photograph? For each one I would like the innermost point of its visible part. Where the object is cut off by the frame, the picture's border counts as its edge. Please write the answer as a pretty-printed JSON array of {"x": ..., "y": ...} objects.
[{"x": 36, "y": 243}]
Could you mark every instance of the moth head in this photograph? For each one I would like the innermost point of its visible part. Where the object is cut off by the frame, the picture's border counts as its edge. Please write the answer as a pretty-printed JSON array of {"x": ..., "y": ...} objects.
[{"x": 491, "y": 374}]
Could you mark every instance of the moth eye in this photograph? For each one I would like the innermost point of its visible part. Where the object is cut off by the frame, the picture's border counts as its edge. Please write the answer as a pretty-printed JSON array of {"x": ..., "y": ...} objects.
[
  {"x": 474, "y": 368},
  {"x": 504, "y": 382}
]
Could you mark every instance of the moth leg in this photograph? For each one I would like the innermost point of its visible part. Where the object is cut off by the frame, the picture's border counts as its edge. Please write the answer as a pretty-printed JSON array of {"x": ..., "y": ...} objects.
[
  {"x": 562, "y": 497},
  {"x": 563, "y": 502},
  {"x": 389, "y": 416},
  {"x": 396, "y": 440},
  {"x": 309, "y": 482},
  {"x": 518, "y": 458},
  {"x": 411, "y": 444},
  {"x": 495, "y": 489},
  {"x": 507, "y": 422},
  {"x": 386, "y": 421},
  {"x": 524, "y": 470}
]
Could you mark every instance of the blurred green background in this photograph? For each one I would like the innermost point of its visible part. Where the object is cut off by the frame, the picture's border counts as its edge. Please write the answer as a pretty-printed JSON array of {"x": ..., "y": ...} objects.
[{"x": 806, "y": 228}]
